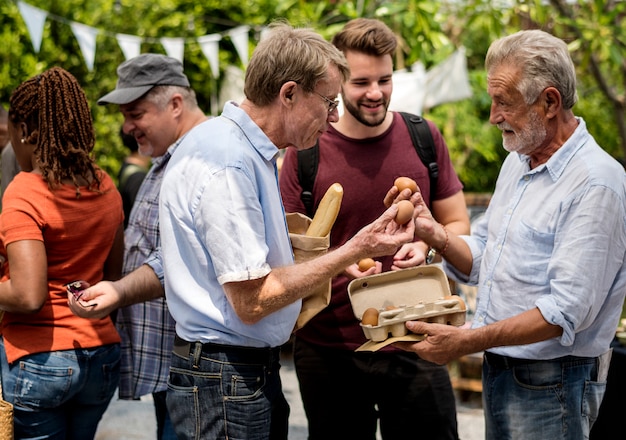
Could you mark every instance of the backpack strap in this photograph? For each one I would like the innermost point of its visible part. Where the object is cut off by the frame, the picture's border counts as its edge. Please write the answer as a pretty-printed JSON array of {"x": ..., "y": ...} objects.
[
  {"x": 422, "y": 141},
  {"x": 425, "y": 147},
  {"x": 307, "y": 169}
]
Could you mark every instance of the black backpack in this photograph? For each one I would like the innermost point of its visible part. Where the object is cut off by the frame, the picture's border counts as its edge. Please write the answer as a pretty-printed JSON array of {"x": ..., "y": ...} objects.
[{"x": 422, "y": 141}]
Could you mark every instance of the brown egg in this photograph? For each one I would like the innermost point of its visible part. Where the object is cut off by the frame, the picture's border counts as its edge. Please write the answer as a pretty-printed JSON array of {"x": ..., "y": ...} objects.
[
  {"x": 370, "y": 317},
  {"x": 405, "y": 212},
  {"x": 405, "y": 182},
  {"x": 459, "y": 299},
  {"x": 365, "y": 264}
]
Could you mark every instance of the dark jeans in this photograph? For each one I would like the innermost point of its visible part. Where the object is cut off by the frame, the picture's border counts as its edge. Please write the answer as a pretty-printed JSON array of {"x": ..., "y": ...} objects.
[
  {"x": 223, "y": 392},
  {"x": 345, "y": 394}
]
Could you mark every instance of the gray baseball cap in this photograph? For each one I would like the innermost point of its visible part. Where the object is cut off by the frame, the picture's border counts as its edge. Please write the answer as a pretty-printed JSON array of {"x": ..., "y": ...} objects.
[{"x": 135, "y": 77}]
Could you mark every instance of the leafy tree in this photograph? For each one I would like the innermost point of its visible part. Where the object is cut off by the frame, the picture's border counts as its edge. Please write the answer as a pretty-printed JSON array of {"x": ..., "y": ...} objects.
[{"x": 428, "y": 32}]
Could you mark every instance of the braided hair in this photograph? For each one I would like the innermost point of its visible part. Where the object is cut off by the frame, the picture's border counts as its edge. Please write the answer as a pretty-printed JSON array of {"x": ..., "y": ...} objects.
[{"x": 55, "y": 109}]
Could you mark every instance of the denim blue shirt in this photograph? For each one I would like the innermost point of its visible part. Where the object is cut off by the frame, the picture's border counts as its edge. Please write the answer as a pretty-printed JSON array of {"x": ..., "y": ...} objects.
[
  {"x": 222, "y": 220},
  {"x": 554, "y": 237}
]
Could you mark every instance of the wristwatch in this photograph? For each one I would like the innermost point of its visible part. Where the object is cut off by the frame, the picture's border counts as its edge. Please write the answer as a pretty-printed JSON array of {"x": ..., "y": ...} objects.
[{"x": 430, "y": 255}]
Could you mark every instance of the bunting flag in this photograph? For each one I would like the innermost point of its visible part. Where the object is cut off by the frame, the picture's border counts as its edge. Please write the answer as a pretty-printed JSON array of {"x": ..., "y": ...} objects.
[
  {"x": 414, "y": 90},
  {"x": 239, "y": 37},
  {"x": 174, "y": 47},
  {"x": 209, "y": 47},
  {"x": 86, "y": 37},
  {"x": 35, "y": 19},
  {"x": 130, "y": 45}
]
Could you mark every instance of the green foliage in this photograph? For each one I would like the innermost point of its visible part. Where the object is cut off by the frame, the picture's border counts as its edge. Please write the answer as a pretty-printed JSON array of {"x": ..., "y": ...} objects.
[
  {"x": 474, "y": 144},
  {"x": 428, "y": 32}
]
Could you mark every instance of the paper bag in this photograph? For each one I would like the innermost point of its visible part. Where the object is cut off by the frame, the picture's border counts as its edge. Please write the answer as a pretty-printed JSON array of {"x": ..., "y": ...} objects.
[
  {"x": 6, "y": 413},
  {"x": 305, "y": 248}
]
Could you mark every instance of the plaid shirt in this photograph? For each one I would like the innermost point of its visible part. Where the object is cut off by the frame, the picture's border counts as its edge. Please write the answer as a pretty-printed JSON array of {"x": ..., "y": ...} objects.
[{"x": 147, "y": 329}]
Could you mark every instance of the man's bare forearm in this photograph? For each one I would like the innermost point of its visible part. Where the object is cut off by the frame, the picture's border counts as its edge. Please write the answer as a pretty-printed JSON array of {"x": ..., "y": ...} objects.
[{"x": 140, "y": 285}]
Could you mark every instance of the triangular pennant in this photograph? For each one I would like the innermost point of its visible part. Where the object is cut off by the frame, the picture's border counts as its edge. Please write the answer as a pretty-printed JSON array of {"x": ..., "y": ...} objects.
[
  {"x": 130, "y": 45},
  {"x": 35, "y": 19},
  {"x": 86, "y": 36},
  {"x": 174, "y": 47},
  {"x": 208, "y": 44},
  {"x": 264, "y": 31},
  {"x": 239, "y": 37}
]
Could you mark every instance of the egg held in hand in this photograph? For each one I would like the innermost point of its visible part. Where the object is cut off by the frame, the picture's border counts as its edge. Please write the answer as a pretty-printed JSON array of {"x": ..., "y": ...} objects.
[
  {"x": 405, "y": 212},
  {"x": 365, "y": 264},
  {"x": 403, "y": 183}
]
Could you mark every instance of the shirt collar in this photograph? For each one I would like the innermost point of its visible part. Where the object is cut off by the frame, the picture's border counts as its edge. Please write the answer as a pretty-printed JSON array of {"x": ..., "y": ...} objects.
[
  {"x": 557, "y": 163},
  {"x": 257, "y": 138}
]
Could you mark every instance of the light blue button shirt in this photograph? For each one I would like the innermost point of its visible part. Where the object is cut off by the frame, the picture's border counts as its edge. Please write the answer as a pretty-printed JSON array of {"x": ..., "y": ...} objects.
[
  {"x": 554, "y": 237},
  {"x": 222, "y": 220}
]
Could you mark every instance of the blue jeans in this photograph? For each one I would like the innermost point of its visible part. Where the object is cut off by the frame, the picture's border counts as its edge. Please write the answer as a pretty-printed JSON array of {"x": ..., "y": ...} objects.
[
  {"x": 61, "y": 394},
  {"x": 221, "y": 392},
  {"x": 557, "y": 400}
]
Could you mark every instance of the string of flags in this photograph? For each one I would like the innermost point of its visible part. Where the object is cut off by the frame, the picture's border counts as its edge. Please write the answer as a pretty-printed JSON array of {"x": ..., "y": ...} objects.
[
  {"x": 130, "y": 45},
  {"x": 414, "y": 90}
]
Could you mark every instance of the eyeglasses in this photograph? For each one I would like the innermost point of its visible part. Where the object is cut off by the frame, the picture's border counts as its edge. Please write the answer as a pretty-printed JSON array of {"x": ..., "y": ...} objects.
[{"x": 332, "y": 105}]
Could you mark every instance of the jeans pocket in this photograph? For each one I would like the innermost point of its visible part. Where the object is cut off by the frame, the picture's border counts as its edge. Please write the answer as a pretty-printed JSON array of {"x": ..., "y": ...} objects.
[
  {"x": 592, "y": 398},
  {"x": 109, "y": 358},
  {"x": 41, "y": 386}
]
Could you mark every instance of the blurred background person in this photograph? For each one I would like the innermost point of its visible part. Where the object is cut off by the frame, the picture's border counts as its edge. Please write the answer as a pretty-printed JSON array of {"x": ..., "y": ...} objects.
[
  {"x": 132, "y": 172},
  {"x": 8, "y": 162}
]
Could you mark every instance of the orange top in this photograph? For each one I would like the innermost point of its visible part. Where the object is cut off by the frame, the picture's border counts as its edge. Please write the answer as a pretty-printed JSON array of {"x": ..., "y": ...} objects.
[{"x": 78, "y": 234}]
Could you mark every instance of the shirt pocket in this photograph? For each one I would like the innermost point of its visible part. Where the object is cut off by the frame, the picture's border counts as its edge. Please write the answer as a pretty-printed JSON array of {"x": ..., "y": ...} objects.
[{"x": 532, "y": 246}]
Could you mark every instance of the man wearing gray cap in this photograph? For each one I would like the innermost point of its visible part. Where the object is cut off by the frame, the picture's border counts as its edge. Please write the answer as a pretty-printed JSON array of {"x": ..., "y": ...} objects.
[{"x": 159, "y": 108}]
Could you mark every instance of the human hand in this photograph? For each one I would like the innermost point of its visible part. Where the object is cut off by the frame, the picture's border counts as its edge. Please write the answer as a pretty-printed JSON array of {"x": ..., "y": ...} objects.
[
  {"x": 443, "y": 343},
  {"x": 384, "y": 236},
  {"x": 409, "y": 255},
  {"x": 353, "y": 270},
  {"x": 95, "y": 302},
  {"x": 394, "y": 196}
]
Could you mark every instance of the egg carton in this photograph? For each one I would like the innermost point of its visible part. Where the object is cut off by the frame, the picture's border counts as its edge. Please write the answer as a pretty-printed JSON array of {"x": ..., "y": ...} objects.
[{"x": 417, "y": 294}]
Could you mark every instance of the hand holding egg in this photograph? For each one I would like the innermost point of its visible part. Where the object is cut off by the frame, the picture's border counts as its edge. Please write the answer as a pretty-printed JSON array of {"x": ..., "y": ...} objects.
[
  {"x": 405, "y": 212},
  {"x": 365, "y": 264},
  {"x": 399, "y": 185},
  {"x": 403, "y": 183}
]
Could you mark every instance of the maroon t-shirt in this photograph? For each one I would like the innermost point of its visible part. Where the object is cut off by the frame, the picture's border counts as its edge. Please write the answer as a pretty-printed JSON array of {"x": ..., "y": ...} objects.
[{"x": 366, "y": 168}]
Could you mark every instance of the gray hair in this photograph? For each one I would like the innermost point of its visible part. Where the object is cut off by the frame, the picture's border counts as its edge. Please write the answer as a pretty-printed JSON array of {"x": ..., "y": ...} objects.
[
  {"x": 161, "y": 95},
  {"x": 290, "y": 54},
  {"x": 544, "y": 61}
]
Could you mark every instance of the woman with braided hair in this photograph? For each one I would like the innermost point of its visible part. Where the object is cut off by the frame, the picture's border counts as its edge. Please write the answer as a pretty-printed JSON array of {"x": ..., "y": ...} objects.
[{"x": 62, "y": 221}]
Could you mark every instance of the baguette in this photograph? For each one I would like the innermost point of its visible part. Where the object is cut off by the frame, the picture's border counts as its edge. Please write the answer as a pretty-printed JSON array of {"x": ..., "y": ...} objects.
[{"x": 327, "y": 212}]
